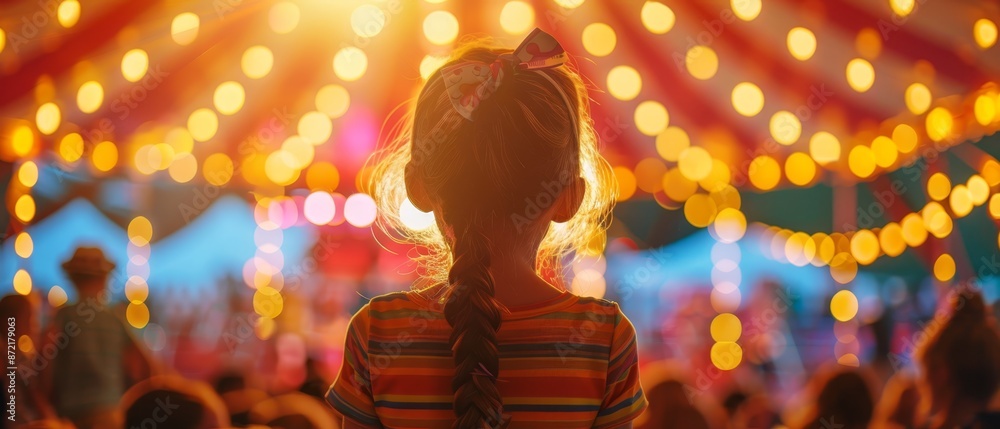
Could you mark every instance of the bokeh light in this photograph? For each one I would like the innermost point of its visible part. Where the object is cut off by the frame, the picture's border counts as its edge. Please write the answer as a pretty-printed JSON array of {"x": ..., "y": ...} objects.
[
  {"x": 939, "y": 124},
  {"x": 695, "y": 163},
  {"x": 651, "y": 118},
  {"x": 229, "y": 97},
  {"x": 800, "y": 169},
  {"x": 657, "y": 17},
  {"x": 257, "y": 62},
  {"x": 746, "y": 10},
  {"x": 902, "y": 7},
  {"x": 217, "y": 169},
  {"x": 905, "y": 138},
  {"x": 890, "y": 238},
  {"x": 748, "y": 99},
  {"x": 884, "y": 150},
  {"x": 283, "y": 17},
  {"x": 671, "y": 142},
  {"x": 726, "y": 355},
  {"x": 801, "y": 43},
  {"x": 315, "y": 127},
  {"x": 360, "y": 210},
  {"x": 57, "y": 296},
  {"x": 918, "y": 98},
  {"x": 730, "y": 225},
  {"x": 334, "y": 100},
  {"x": 985, "y": 109},
  {"x": 765, "y": 172},
  {"x": 89, "y": 97},
  {"x": 517, "y": 17},
  {"x": 367, "y": 20},
  {"x": 134, "y": 64},
  {"x": 944, "y": 267},
  {"x": 47, "y": 118},
  {"x": 860, "y": 74},
  {"x": 440, "y": 27},
  {"x": 322, "y": 176},
  {"x": 938, "y": 186},
  {"x": 624, "y": 83},
  {"x": 105, "y": 156},
  {"x": 137, "y": 315},
  {"x": 726, "y": 327},
  {"x": 865, "y": 247},
  {"x": 702, "y": 62},
  {"x": 844, "y": 305},
  {"x": 984, "y": 32},
  {"x": 68, "y": 13},
  {"x": 24, "y": 245},
  {"x": 861, "y": 161},
  {"x": 184, "y": 28},
  {"x": 183, "y": 168},
  {"x": 319, "y": 208},
  {"x": 140, "y": 231},
  {"x": 27, "y": 174},
  {"x": 599, "y": 39},
  {"x": 785, "y": 127},
  {"x": 350, "y": 63},
  {"x": 22, "y": 282},
  {"x": 203, "y": 124}
]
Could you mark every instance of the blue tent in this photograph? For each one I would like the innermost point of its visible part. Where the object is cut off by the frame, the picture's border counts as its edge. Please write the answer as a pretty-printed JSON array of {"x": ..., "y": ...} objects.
[{"x": 194, "y": 259}]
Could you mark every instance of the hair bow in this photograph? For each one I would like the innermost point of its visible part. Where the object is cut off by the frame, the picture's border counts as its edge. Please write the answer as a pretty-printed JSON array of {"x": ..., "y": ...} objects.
[{"x": 469, "y": 83}]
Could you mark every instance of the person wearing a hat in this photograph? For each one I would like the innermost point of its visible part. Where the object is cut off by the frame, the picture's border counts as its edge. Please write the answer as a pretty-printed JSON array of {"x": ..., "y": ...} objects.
[{"x": 97, "y": 358}]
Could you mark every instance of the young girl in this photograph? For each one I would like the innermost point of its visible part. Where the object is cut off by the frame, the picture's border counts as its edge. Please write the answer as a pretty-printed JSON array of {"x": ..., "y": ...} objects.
[{"x": 502, "y": 150}]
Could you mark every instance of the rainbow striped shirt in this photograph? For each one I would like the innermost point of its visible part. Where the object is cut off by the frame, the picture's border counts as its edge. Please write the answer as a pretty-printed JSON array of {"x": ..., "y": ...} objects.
[{"x": 569, "y": 362}]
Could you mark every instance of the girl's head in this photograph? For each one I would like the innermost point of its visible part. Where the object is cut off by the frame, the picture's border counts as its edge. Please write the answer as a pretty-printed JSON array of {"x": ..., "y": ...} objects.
[
  {"x": 961, "y": 362},
  {"x": 524, "y": 171},
  {"x": 511, "y": 170}
]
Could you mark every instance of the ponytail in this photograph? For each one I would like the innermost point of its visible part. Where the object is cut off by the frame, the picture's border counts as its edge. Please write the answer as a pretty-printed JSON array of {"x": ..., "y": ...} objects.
[{"x": 474, "y": 316}]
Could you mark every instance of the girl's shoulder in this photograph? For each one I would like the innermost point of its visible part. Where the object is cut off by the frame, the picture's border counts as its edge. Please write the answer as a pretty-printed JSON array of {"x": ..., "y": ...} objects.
[{"x": 420, "y": 300}]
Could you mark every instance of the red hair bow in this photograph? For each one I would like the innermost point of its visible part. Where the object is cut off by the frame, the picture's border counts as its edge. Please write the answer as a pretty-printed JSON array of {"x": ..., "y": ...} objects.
[{"x": 469, "y": 83}]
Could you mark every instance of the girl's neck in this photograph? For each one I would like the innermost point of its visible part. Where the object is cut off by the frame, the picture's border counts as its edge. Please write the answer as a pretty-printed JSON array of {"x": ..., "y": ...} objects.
[{"x": 517, "y": 284}]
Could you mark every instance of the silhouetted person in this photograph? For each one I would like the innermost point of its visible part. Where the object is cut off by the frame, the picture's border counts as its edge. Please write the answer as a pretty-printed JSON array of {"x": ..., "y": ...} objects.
[
  {"x": 173, "y": 402},
  {"x": 97, "y": 356},
  {"x": 670, "y": 407},
  {"x": 844, "y": 402},
  {"x": 961, "y": 367}
]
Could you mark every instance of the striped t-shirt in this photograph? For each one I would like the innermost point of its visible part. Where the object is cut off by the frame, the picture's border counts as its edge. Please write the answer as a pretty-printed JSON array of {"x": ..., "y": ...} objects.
[{"x": 569, "y": 362}]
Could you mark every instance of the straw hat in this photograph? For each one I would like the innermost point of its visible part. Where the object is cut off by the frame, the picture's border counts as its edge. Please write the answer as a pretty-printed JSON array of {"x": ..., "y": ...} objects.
[{"x": 88, "y": 261}]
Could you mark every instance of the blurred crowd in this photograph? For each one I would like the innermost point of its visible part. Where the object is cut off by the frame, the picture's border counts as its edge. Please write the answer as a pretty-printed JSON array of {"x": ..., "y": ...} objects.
[{"x": 87, "y": 369}]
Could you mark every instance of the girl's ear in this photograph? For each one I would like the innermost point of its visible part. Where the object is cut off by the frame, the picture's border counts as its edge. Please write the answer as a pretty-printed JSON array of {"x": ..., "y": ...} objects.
[
  {"x": 569, "y": 200},
  {"x": 415, "y": 190}
]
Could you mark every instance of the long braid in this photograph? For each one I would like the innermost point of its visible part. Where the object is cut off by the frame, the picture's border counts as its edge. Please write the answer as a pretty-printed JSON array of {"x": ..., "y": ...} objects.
[{"x": 474, "y": 316}]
